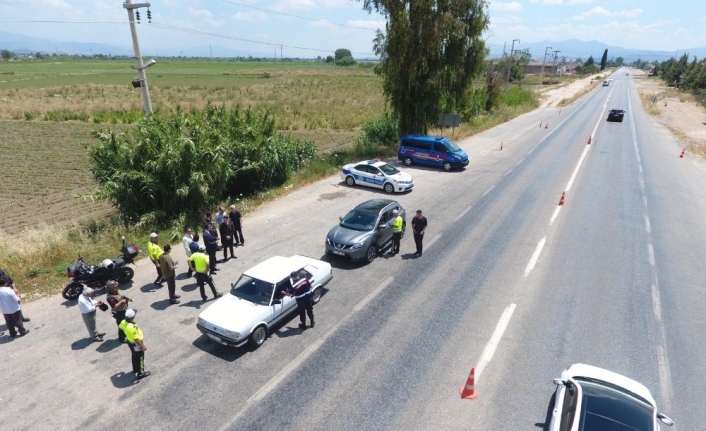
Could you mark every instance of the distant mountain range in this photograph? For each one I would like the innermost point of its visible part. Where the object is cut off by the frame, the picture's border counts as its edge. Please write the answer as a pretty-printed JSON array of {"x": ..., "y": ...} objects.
[{"x": 572, "y": 49}]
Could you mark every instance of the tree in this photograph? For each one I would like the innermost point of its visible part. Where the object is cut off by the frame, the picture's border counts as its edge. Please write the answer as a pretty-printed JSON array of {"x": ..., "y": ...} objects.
[
  {"x": 6, "y": 54},
  {"x": 604, "y": 59},
  {"x": 345, "y": 61},
  {"x": 619, "y": 61},
  {"x": 579, "y": 60},
  {"x": 429, "y": 53},
  {"x": 341, "y": 53},
  {"x": 329, "y": 59}
]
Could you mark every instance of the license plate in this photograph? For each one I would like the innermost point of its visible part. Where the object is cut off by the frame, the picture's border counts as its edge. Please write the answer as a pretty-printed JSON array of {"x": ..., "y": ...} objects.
[
  {"x": 214, "y": 338},
  {"x": 339, "y": 253}
]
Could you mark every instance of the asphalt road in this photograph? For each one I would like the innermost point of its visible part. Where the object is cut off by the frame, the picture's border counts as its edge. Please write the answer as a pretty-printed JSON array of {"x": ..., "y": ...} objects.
[{"x": 510, "y": 283}]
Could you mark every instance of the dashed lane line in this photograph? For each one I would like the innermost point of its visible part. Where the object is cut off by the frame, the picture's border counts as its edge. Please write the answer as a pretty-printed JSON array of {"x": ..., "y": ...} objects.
[
  {"x": 463, "y": 213},
  {"x": 492, "y": 345},
  {"x": 533, "y": 260}
]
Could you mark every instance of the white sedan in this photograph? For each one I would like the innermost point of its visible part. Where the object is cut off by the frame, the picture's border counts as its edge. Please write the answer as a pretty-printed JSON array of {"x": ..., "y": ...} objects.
[
  {"x": 589, "y": 398},
  {"x": 255, "y": 303},
  {"x": 378, "y": 174}
]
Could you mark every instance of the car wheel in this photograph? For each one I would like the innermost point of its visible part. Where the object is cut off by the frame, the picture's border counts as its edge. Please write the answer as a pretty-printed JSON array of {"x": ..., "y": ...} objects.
[
  {"x": 407, "y": 161},
  {"x": 316, "y": 295},
  {"x": 258, "y": 336},
  {"x": 389, "y": 188},
  {"x": 371, "y": 254},
  {"x": 350, "y": 181},
  {"x": 447, "y": 166}
]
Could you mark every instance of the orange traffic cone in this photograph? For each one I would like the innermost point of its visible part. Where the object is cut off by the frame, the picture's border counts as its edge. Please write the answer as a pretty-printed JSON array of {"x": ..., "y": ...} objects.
[
  {"x": 546, "y": 126},
  {"x": 468, "y": 392},
  {"x": 589, "y": 141},
  {"x": 561, "y": 201},
  {"x": 681, "y": 156}
]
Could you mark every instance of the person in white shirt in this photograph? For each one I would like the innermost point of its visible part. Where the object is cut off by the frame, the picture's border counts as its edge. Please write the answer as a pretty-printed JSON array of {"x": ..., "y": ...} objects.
[
  {"x": 219, "y": 216},
  {"x": 87, "y": 307},
  {"x": 186, "y": 241},
  {"x": 10, "y": 307}
]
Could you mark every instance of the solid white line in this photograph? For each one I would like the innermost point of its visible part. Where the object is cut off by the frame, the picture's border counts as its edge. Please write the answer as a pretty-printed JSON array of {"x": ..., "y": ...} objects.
[
  {"x": 492, "y": 345},
  {"x": 463, "y": 213},
  {"x": 507, "y": 173},
  {"x": 647, "y": 224},
  {"x": 644, "y": 200},
  {"x": 488, "y": 191},
  {"x": 555, "y": 215},
  {"x": 533, "y": 260},
  {"x": 292, "y": 366},
  {"x": 651, "y": 253},
  {"x": 432, "y": 241},
  {"x": 521, "y": 160}
]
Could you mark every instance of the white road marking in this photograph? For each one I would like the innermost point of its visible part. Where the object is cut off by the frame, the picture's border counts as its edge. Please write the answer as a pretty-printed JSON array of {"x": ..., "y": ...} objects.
[
  {"x": 432, "y": 241},
  {"x": 578, "y": 166},
  {"x": 521, "y": 160},
  {"x": 647, "y": 224},
  {"x": 488, "y": 191},
  {"x": 639, "y": 168},
  {"x": 555, "y": 215},
  {"x": 463, "y": 213},
  {"x": 292, "y": 366},
  {"x": 492, "y": 345},
  {"x": 507, "y": 173},
  {"x": 651, "y": 253},
  {"x": 530, "y": 151},
  {"x": 644, "y": 200},
  {"x": 656, "y": 304},
  {"x": 533, "y": 260}
]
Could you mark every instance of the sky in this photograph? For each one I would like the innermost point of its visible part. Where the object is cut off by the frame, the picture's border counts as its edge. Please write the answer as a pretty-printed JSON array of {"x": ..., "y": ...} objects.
[{"x": 307, "y": 28}]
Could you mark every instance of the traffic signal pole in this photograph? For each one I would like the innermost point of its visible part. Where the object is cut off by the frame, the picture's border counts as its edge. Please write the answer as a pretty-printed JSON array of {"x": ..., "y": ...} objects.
[{"x": 138, "y": 54}]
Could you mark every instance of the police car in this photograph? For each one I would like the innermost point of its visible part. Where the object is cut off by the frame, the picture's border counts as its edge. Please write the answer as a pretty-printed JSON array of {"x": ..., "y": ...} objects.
[{"x": 376, "y": 173}]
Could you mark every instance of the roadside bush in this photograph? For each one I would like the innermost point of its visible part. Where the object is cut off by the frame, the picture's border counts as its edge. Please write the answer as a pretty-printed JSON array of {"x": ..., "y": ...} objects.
[
  {"x": 175, "y": 166},
  {"x": 517, "y": 96},
  {"x": 381, "y": 131},
  {"x": 345, "y": 61}
]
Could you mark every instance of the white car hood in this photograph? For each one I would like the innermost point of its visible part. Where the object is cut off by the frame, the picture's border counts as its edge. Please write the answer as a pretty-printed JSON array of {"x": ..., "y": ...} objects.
[
  {"x": 401, "y": 176},
  {"x": 583, "y": 370},
  {"x": 234, "y": 314}
]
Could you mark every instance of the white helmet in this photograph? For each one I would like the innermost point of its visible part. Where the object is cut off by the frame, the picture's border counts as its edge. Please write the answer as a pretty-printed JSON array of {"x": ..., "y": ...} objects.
[{"x": 107, "y": 264}]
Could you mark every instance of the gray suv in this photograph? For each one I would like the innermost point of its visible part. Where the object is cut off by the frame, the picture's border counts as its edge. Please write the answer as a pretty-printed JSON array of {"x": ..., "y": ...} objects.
[{"x": 365, "y": 231}]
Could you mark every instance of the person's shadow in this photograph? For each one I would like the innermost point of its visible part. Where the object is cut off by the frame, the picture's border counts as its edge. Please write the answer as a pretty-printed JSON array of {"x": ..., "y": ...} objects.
[
  {"x": 108, "y": 345},
  {"x": 122, "y": 380},
  {"x": 81, "y": 344},
  {"x": 161, "y": 305},
  {"x": 408, "y": 256}
]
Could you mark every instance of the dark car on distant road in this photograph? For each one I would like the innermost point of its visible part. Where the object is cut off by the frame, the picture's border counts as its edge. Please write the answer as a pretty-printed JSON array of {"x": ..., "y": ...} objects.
[
  {"x": 365, "y": 231},
  {"x": 616, "y": 115}
]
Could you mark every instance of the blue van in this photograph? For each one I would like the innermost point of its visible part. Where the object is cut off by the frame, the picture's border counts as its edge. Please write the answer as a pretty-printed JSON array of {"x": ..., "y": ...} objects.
[{"x": 431, "y": 151}]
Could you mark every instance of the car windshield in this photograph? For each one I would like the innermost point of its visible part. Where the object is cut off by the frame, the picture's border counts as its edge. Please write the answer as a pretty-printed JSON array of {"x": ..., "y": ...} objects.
[
  {"x": 609, "y": 408},
  {"x": 451, "y": 145},
  {"x": 253, "y": 290},
  {"x": 389, "y": 169},
  {"x": 359, "y": 220}
]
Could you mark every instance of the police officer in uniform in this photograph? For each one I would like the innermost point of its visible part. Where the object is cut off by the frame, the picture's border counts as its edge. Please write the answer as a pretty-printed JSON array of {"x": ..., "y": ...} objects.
[
  {"x": 155, "y": 252},
  {"x": 301, "y": 291},
  {"x": 199, "y": 263},
  {"x": 118, "y": 303},
  {"x": 137, "y": 346},
  {"x": 397, "y": 224}
]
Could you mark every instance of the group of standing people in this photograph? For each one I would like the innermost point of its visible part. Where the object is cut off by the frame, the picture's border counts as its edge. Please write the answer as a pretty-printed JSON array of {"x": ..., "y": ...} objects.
[{"x": 419, "y": 227}]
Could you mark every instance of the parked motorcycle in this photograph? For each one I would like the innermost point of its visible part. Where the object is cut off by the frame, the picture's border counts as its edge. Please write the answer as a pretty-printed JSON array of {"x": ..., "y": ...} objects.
[{"x": 95, "y": 276}]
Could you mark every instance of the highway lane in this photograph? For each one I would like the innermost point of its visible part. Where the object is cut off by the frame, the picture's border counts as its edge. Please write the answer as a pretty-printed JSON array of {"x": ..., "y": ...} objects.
[{"x": 397, "y": 359}]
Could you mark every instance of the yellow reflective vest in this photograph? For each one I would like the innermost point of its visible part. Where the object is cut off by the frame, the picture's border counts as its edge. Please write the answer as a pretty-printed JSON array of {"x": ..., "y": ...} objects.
[
  {"x": 155, "y": 251},
  {"x": 397, "y": 224},
  {"x": 132, "y": 332}
]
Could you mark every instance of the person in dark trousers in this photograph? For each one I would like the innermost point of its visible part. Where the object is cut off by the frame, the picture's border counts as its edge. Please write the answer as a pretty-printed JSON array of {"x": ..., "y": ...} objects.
[
  {"x": 10, "y": 308},
  {"x": 397, "y": 224},
  {"x": 169, "y": 273},
  {"x": 211, "y": 243},
  {"x": 17, "y": 292},
  {"x": 227, "y": 231},
  {"x": 237, "y": 219},
  {"x": 301, "y": 291},
  {"x": 198, "y": 262},
  {"x": 118, "y": 303},
  {"x": 419, "y": 226},
  {"x": 137, "y": 346}
]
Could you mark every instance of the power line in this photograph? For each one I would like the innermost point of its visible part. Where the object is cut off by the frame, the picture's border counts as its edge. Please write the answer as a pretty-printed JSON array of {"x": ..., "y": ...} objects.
[{"x": 299, "y": 17}]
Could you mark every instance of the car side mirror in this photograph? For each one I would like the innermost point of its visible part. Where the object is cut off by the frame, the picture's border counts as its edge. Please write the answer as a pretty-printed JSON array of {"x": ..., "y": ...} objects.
[
  {"x": 559, "y": 382},
  {"x": 664, "y": 419},
  {"x": 382, "y": 225},
  {"x": 340, "y": 219},
  {"x": 276, "y": 301}
]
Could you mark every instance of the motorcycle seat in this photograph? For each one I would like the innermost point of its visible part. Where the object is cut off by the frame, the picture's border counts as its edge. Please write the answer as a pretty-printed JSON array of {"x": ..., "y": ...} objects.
[{"x": 118, "y": 262}]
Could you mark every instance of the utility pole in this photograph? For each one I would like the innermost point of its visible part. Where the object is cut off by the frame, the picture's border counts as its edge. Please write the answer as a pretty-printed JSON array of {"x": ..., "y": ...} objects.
[
  {"x": 541, "y": 78},
  {"x": 210, "y": 50},
  {"x": 553, "y": 63},
  {"x": 509, "y": 64},
  {"x": 138, "y": 54},
  {"x": 280, "y": 53}
]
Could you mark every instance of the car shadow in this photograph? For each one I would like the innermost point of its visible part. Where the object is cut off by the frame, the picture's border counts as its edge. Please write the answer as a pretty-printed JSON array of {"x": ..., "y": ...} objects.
[
  {"x": 81, "y": 344},
  {"x": 122, "y": 380},
  {"x": 342, "y": 264},
  {"x": 544, "y": 426},
  {"x": 374, "y": 190},
  {"x": 289, "y": 332},
  {"x": 108, "y": 345},
  {"x": 160, "y": 305},
  {"x": 220, "y": 351}
]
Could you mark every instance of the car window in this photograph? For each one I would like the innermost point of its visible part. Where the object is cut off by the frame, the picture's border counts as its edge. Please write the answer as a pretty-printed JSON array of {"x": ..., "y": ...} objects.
[
  {"x": 362, "y": 168},
  {"x": 252, "y": 289},
  {"x": 282, "y": 286},
  {"x": 441, "y": 148},
  {"x": 608, "y": 408},
  {"x": 384, "y": 218},
  {"x": 422, "y": 145},
  {"x": 389, "y": 169},
  {"x": 451, "y": 145},
  {"x": 359, "y": 220},
  {"x": 373, "y": 170}
]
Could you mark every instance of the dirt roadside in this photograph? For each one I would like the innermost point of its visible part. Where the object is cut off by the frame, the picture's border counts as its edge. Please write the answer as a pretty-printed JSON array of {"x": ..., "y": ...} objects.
[{"x": 678, "y": 112}]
